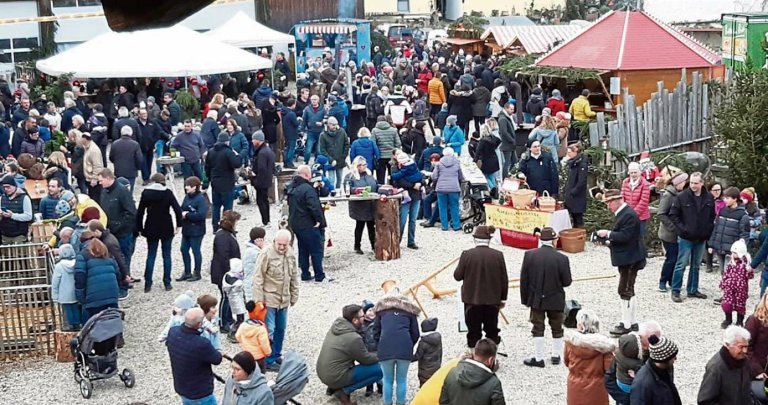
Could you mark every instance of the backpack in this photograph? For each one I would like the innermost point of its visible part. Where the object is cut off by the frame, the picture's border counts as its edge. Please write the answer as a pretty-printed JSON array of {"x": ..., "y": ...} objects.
[{"x": 420, "y": 109}]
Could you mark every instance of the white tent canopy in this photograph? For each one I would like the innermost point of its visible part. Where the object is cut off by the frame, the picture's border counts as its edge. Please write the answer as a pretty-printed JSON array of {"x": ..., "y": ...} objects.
[
  {"x": 174, "y": 51},
  {"x": 244, "y": 32}
]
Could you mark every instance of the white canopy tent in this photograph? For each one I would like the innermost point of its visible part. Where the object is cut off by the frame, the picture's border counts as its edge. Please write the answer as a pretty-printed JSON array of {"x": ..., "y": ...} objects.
[
  {"x": 164, "y": 52},
  {"x": 245, "y": 32}
]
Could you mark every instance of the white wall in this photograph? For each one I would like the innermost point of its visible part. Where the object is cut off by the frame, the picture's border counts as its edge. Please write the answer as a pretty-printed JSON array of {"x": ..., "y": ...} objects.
[
  {"x": 16, "y": 9},
  {"x": 80, "y": 30}
]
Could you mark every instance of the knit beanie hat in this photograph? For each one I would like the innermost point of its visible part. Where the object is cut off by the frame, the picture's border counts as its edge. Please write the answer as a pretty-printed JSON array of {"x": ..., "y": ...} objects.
[
  {"x": 62, "y": 208},
  {"x": 90, "y": 213},
  {"x": 185, "y": 301},
  {"x": 633, "y": 166},
  {"x": 451, "y": 120},
  {"x": 679, "y": 179},
  {"x": 403, "y": 159},
  {"x": 222, "y": 138},
  {"x": 66, "y": 251},
  {"x": 662, "y": 349},
  {"x": 245, "y": 361},
  {"x": 236, "y": 266},
  {"x": 747, "y": 195},
  {"x": 367, "y": 305},
  {"x": 66, "y": 195},
  {"x": 436, "y": 141}
]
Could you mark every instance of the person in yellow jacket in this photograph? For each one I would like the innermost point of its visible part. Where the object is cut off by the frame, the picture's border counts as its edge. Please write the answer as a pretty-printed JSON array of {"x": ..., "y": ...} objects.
[
  {"x": 580, "y": 109},
  {"x": 79, "y": 203},
  {"x": 84, "y": 202},
  {"x": 429, "y": 393},
  {"x": 253, "y": 337},
  {"x": 436, "y": 94}
]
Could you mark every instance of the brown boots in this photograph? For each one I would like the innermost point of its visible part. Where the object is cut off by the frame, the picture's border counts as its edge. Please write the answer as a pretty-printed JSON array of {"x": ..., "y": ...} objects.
[{"x": 343, "y": 397}]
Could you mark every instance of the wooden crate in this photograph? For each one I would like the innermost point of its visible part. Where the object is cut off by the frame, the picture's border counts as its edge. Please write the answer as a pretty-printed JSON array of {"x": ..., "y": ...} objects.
[
  {"x": 42, "y": 232},
  {"x": 27, "y": 321}
]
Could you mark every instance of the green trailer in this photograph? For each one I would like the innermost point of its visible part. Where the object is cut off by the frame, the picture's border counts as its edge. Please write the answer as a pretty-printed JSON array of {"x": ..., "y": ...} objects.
[{"x": 745, "y": 40}]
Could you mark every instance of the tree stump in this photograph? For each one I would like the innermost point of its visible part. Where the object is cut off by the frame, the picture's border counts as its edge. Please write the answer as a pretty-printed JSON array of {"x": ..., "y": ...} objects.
[
  {"x": 388, "y": 230},
  {"x": 62, "y": 339}
]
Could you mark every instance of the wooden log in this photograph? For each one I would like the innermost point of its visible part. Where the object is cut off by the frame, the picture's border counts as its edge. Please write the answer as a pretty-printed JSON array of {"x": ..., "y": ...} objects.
[
  {"x": 387, "y": 245},
  {"x": 61, "y": 340}
]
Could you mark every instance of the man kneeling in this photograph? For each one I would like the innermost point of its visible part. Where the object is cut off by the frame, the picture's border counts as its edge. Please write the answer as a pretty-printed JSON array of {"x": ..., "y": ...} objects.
[{"x": 342, "y": 348}]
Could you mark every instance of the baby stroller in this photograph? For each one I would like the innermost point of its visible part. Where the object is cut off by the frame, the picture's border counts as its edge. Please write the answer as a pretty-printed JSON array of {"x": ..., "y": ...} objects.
[
  {"x": 472, "y": 205},
  {"x": 291, "y": 379},
  {"x": 95, "y": 351}
]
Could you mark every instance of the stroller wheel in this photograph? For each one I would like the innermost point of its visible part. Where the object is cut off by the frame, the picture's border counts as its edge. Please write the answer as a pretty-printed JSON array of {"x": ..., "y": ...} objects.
[
  {"x": 78, "y": 377},
  {"x": 86, "y": 388},
  {"x": 128, "y": 378},
  {"x": 468, "y": 228}
]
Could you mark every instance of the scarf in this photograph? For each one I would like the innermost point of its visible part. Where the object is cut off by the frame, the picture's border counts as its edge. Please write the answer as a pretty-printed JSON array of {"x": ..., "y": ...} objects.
[{"x": 634, "y": 183}]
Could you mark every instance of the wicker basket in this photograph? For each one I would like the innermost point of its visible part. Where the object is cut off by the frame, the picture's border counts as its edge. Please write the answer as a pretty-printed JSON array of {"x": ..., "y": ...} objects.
[
  {"x": 522, "y": 198},
  {"x": 547, "y": 203}
]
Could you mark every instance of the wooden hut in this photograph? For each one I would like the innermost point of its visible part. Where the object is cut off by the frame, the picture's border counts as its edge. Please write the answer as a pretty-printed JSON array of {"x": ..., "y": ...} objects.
[{"x": 637, "y": 49}]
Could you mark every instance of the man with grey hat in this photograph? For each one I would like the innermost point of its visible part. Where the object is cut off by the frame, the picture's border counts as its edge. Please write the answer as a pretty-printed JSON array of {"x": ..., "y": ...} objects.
[
  {"x": 484, "y": 291},
  {"x": 263, "y": 167},
  {"x": 15, "y": 212},
  {"x": 627, "y": 253},
  {"x": 220, "y": 165},
  {"x": 543, "y": 277}
]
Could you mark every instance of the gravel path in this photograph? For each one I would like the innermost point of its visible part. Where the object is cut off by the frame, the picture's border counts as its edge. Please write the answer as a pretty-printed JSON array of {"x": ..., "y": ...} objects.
[{"x": 693, "y": 325}]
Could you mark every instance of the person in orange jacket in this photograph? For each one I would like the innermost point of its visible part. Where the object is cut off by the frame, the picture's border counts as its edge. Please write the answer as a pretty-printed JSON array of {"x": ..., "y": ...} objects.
[{"x": 253, "y": 337}]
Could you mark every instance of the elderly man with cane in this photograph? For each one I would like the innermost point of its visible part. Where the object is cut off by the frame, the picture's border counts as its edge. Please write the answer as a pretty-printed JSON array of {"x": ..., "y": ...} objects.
[
  {"x": 485, "y": 287},
  {"x": 627, "y": 253}
]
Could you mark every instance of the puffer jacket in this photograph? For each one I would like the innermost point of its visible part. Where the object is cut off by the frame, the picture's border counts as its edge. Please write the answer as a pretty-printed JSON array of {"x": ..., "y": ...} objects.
[
  {"x": 233, "y": 288},
  {"x": 436, "y": 92},
  {"x": 386, "y": 139},
  {"x": 252, "y": 391},
  {"x": 276, "y": 279},
  {"x": 34, "y": 148},
  {"x": 374, "y": 106},
  {"x": 535, "y": 105},
  {"x": 304, "y": 209},
  {"x": 429, "y": 352},
  {"x": 541, "y": 173},
  {"x": 95, "y": 280},
  {"x": 486, "y": 153},
  {"x": 253, "y": 337},
  {"x": 587, "y": 357},
  {"x": 460, "y": 105},
  {"x": 367, "y": 333},
  {"x": 424, "y": 77},
  {"x": 667, "y": 230},
  {"x": 366, "y": 148},
  {"x": 447, "y": 175},
  {"x": 396, "y": 328},
  {"x": 251, "y": 254},
  {"x": 637, "y": 198},
  {"x": 453, "y": 136},
  {"x": 63, "y": 282},
  {"x": 731, "y": 225}
]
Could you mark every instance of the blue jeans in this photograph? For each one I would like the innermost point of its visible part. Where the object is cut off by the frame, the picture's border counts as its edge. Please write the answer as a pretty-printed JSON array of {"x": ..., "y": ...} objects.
[
  {"x": 277, "y": 322},
  {"x": 395, "y": 372},
  {"x": 160, "y": 152},
  {"x": 126, "y": 247},
  {"x": 311, "y": 147},
  {"x": 339, "y": 173},
  {"x": 668, "y": 268},
  {"x": 290, "y": 151},
  {"x": 73, "y": 313},
  {"x": 192, "y": 169},
  {"x": 409, "y": 212},
  {"x": 194, "y": 243},
  {"x": 146, "y": 165},
  {"x": 762, "y": 257},
  {"x": 209, "y": 400},
  {"x": 363, "y": 376},
  {"x": 152, "y": 254},
  {"x": 310, "y": 243},
  {"x": 491, "y": 179},
  {"x": 220, "y": 200},
  {"x": 688, "y": 253},
  {"x": 431, "y": 213},
  {"x": 449, "y": 202}
]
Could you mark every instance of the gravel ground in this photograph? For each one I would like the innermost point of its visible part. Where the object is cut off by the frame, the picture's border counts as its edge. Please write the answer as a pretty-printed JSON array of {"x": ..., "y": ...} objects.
[{"x": 693, "y": 325}]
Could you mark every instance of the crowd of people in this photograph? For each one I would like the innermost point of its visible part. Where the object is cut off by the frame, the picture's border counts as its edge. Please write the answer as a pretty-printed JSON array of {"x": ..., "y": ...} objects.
[{"x": 422, "y": 117}]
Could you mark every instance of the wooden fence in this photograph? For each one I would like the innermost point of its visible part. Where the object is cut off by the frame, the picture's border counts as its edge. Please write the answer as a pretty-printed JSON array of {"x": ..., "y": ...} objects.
[{"x": 669, "y": 120}]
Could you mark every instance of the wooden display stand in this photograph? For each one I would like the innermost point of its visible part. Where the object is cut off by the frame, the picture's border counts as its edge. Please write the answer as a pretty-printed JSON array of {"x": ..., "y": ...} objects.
[
  {"x": 387, "y": 245},
  {"x": 61, "y": 339}
]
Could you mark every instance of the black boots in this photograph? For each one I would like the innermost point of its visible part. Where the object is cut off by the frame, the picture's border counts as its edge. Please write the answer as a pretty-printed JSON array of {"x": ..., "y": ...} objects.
[
  {"x": 740, "y": 320},
  {"x": 728, "y": 320}
]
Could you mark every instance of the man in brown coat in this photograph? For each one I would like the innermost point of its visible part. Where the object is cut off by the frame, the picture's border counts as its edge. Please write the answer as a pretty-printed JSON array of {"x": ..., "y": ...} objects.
[
  {"x": 543, "y": 276},
  {"x": 485, "y": 287}
]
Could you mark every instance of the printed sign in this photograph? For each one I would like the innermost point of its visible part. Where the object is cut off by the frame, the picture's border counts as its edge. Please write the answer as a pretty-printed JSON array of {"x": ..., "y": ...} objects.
[{"x": 516, "y": 220}]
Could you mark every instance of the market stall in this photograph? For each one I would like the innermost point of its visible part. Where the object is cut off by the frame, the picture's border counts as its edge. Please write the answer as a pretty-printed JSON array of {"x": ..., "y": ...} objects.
[{"x": 516, "y": 225}]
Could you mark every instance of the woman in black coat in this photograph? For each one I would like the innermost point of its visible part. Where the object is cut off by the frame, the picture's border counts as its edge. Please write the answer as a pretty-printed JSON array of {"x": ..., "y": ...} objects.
[
  {"x": 414, "y": 141},
  {"x": 486, "y": 157},
  {"x": 576, "y": 186},
  {"x": 396, "y": 331},
  {"x": 194, "y": 210},
  {"x": 225, "y": 247},
  {"x": 270, "y": 119},
  {"x": 460, "y": 105},
  {"x": 363, "y": 212},
  {"x": 157, "y": 201}
]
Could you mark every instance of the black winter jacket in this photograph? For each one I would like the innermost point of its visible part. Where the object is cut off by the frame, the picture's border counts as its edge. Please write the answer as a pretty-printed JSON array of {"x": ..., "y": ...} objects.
[
  {"x": 541, "y": 173},
  {"x": 304, "y": 209},
  {"x": 118, "y": 205},
  {"x": 157, "y": 201},
  {"x": 396, "y": 328},
  {"x": 731, "y": 225},
  {"x": 429, "y": 354},
  {"x": 196, "y": 207},
  {"x": 654, "y": 386},
  {"x": 486, "y": 153},
  {"x": 627, "y": 247},
  {"x": 220, "y": 165},
  {"x": 122, "y": 122},
  {"x": 693, "y": 217},
  {"x": 480, "y": 98},
  {"x": 225, "y": 247},
  {"x": 126, "y": 156},
  {"x": 263, "y": 166},
  {"x": 576, "y": 186}
]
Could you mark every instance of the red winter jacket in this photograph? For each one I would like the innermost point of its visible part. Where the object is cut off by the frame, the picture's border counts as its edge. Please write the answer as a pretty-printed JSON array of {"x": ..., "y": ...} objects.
[
  {"x": 424, "y": 76},
  {"x": 556, "y": 106},
  {"x": 638, "y": 198}
]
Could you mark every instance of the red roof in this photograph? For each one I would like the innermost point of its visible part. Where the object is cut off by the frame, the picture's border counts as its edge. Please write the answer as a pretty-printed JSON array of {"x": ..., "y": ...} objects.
[{"x": 630, "y": 40}]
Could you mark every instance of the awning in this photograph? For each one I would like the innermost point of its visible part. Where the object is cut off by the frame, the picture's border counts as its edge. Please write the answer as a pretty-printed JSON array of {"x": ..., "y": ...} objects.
[
  {"x": 536, "y": 40},
  {"x": 460, "y": 41},
  {"x": 326, "y": 29}
]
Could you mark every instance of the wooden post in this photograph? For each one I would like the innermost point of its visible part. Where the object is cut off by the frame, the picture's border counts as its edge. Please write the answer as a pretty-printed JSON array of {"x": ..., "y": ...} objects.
[
  {"x": 387, "y": 245},
  {"x": 61, "y": 340}
]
